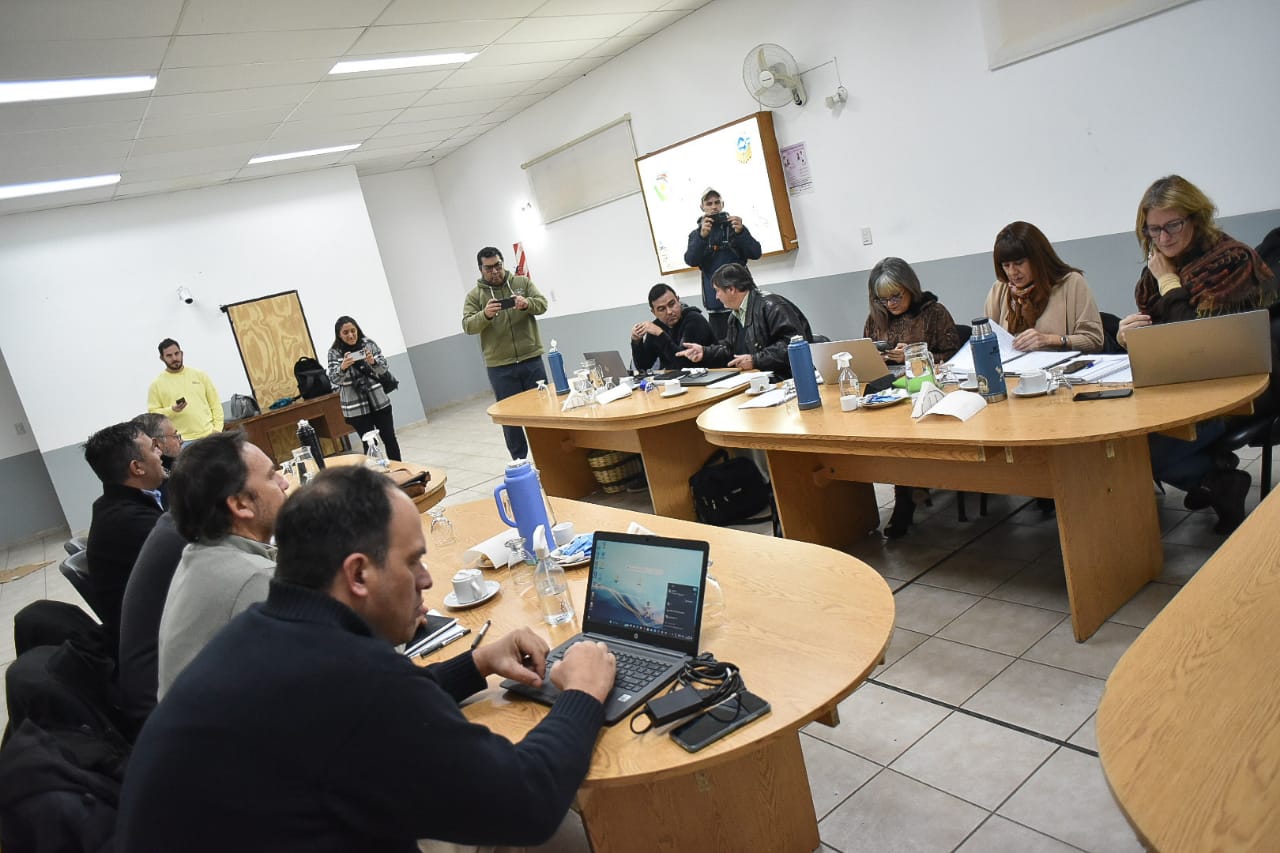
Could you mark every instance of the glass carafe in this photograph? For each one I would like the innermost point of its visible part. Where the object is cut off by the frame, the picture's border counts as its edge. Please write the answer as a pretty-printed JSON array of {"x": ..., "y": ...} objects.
[{"x": 919, "y": 364}]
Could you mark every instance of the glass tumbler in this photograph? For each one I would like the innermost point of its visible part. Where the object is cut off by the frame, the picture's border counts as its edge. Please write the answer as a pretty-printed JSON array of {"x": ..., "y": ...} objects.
[
  {"x": 521, "y": 564},
  {"x": 919, "y": 362},
  {"x": 441, "y": 527}
]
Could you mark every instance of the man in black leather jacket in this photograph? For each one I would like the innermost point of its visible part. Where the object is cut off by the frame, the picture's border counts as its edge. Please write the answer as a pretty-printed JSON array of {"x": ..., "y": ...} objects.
[{"x": 760, "y": 326}]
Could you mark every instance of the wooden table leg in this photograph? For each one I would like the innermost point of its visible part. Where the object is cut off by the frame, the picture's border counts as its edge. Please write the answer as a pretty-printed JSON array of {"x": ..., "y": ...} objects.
[
  {"x": 561, "y": 464},
  {"x": 672, "y": 454},
  {"x": 815, "y": 508},
  {"x": 1107, "y": 524},
  {"x": 759, "y": 801}
]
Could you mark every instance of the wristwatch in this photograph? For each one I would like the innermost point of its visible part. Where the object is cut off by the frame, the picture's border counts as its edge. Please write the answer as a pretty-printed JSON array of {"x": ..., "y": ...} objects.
[{"x": 1064, "y": 341}]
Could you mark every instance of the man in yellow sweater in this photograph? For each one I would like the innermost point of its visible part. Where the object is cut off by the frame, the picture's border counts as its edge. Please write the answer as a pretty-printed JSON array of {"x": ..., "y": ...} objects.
[{"x": 185, "y": 396}]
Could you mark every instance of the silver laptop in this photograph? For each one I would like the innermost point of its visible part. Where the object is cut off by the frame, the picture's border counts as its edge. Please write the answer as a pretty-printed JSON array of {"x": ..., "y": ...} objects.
[
  {"x": 1207, "y": 348},
  {"x": 644, "y": 600},
  {"x": 610, "y": 363},
  {"x": 866, "y": 362}
]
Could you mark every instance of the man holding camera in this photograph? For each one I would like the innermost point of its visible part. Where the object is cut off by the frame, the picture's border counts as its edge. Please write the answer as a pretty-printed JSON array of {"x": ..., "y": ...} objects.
[
  {"x": 719, "y": 239},
  {"x": 501, "y": 309}
]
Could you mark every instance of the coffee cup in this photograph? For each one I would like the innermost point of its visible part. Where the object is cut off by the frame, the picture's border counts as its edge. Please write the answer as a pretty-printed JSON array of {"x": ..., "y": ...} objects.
[
  {"x": 672, "y": 388},
  {"x": 759, "y": 382},
  {"x": 1033, "y": 382},
  {"x": 563, "y": 533},
  {"x": 468, "y": 586}
]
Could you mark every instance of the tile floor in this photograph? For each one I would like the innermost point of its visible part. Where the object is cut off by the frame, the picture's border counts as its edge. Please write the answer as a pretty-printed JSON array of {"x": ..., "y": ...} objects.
[{"x": 977, "y": 732}]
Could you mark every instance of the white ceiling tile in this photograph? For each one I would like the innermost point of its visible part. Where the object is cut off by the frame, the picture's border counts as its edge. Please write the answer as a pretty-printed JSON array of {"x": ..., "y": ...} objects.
[
  {"x": 201, "y": 103},
  {"x": 360, "y": 86},
  {"x": 196, "y": 160},
  {"x": 79, "y": 166},
  {"x": 79, "y": 113},
  {"x": 53, "y": 200},
  {"x": 285, "y": 167},
  {"x": 503, "y": 114},
  {"x": 235, "y": 16},
  {"x": 60, "y": 156},
  {"x": 549, "y": 85},
  {"x": 428, "y": 38},
  {"x": 41, "y": 60},
  {"x": 595, "y": 7},
  {"x": 214, "y": 78},
  {"x": 174, "y": 125},
  {"x": 432, "y": 11},
  {"x": 404, "y": 153},
  {"x": 515, "y": 54},
  {"x": 351, "y": 121},
  {"x": 422, "y": 141},
  {"x": 474, "y": 107},
  {"x": 568, "y": 28},
  {"x": 48, "y": 20},
  {"x": 288, "y": 144},
  {"x": 581, "y": 67},
  {"x": 652, "y": 23},
  {"x": 427, "y": 126},
  {"x": 502, "y": 74},
  {"x": 201, "y": 139},
  {"x": 469, "y": 93},
  {"x": 617, "y": 45},
  {"x": 128, "y": 187},
  {"x": 688, "y": 5},
  {"x": 18, "y": 144},
  {"x": 314, "y": 108},
  {"x": 236, "y": 48}
]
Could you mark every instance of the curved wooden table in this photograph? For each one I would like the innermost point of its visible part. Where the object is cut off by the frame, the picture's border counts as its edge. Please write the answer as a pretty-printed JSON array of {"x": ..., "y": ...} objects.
[
  {"x": 432, "y": 495},
  {"x": 661, "y": 429},
  {"x": 806, "y": 625},
  {"x": 1189, "y": 725},
  {"x": 1091, "y": 458}
]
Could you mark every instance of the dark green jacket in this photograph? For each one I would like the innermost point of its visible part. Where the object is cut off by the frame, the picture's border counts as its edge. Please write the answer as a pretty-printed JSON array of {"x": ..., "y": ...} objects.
[{"x": 511, "y": 335}]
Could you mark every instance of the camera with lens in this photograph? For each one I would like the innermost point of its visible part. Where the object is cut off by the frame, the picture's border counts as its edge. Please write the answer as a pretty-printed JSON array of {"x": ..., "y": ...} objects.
[{"x": 720, "y": 218}]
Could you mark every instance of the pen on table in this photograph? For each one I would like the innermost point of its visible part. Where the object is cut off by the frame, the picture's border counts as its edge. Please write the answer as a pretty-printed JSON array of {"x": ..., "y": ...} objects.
[
  {"x": 484, "y": 629},
  {"x": 441, "y": 645}
]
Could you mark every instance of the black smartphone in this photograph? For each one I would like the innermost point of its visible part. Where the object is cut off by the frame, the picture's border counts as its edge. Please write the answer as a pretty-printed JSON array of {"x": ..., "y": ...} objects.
[
  {"x": 711, "y": 725},
  {"x": 1077, "y": 365},
  {"x": 180, "y": 401},
  {"x": 1109, "y": 394},
  {"x": 509, "y": 302}
]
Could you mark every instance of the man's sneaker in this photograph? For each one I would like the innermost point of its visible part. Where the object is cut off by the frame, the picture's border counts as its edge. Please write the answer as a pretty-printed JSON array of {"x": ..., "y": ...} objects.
[{"x": 1227, "y": 491}]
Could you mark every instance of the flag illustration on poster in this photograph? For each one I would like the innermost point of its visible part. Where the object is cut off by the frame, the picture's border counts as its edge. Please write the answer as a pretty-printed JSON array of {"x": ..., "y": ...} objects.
[{"x": 522, "y": 264}]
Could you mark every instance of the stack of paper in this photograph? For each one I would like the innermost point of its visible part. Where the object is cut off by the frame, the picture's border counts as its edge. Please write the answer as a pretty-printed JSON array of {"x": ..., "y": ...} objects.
[
  {"x": 962, "y": 361},
  {"x": 1105, "y": 369},
  {"x": 733, "y": 380}
]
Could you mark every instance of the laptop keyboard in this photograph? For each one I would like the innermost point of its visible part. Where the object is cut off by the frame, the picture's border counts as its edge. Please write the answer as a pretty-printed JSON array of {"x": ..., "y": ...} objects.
[{"x": 635, "y": 672}]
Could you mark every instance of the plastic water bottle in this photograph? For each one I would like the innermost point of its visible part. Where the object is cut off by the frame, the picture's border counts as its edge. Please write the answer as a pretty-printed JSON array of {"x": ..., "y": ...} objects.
[
  {"x": 849, "y": 385},
  {"x": 550, "y": 583},
  {"x": 801, "y": 358},
  {"x": 307, "y": 438},
  {"x": 556, "y": 360},
  {"x": 377, "y": 453},
  {"x": 986, "y": 361}
]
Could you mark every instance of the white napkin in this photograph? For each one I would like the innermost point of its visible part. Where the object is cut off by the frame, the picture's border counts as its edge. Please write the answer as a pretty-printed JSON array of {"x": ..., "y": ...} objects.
[
  {"x": 615, "y": 393},
  {"x": 494, "y": 548},
  {"x": 775, "y": 397},
  {"x": 733, "y": 380},
  {"x": 959, "y": 404},
  {"x": 925, "y": 399}
]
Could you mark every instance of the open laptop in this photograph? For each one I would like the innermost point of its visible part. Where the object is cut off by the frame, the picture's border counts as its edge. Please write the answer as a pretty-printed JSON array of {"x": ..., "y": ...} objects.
[
  {"x": 867, "y": 362},
  {"x": 1207, "y": 348},
  {"x": 611, "y": 364},
  {"x": 644, "y": 599}
]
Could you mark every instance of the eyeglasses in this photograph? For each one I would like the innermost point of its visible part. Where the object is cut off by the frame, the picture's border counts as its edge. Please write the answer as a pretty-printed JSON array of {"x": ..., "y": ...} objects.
[
  {"x": 491, "y": 267},
  {"x": 896, "y": 297},
  {"x": 1173, "y": 228}
]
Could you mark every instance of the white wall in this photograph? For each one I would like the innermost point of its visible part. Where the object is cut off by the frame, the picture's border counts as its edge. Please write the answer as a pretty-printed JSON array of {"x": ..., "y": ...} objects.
[
  {"x": 934, "y": 152},
  {"x": 11, "y": 443},
  {"x": 90, "y": 291}
]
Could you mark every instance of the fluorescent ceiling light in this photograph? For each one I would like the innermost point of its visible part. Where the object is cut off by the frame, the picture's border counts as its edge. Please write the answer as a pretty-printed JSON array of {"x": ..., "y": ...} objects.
[
  {"x": 42, "y": 187},
  {"x": 271, "y": 158},
  {"x": 16, "y": 91},
  {"x": 355, "y": 66}
]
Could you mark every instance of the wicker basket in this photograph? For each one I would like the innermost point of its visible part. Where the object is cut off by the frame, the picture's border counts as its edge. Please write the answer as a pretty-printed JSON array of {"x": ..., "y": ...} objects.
[{"x": 614, "y": 469}]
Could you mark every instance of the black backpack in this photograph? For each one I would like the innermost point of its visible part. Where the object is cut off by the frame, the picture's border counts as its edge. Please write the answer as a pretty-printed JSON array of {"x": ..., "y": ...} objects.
[
  {"x": 730, "y": 490},
  {"x": 313, "y": 381}
]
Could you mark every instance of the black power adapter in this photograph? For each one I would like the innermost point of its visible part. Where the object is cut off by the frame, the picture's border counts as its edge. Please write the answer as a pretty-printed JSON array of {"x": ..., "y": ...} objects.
[{"x": 676, "y": 705}]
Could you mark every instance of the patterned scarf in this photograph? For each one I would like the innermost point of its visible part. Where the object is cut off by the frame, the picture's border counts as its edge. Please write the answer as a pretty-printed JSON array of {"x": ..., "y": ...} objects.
[{"x": 1226, "y": 278}]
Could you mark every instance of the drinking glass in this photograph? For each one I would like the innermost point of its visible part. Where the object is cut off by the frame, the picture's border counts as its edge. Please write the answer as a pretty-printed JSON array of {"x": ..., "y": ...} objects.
[
  {"x": 919, "y": 361},
  {"x": 521, "y": 564},
  {"x": 713, "y": 603},
  {"x": 304, "y": 464},
  {"x": 441, "y": 527}
]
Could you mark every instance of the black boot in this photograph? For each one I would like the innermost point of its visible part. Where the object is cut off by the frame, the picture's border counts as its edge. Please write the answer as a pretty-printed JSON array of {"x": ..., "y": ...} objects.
[
  {"x": 904, "y": 507},
  {"x": 1227, "y": 491}
]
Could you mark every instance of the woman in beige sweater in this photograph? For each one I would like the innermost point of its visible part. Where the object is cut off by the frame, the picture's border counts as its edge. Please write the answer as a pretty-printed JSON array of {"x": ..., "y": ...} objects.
[{"x": 1043, "y": 302}]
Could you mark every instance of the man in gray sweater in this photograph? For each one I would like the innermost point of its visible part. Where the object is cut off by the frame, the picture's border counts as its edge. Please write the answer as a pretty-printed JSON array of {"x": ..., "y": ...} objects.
[{"x": 224, "y": 494}]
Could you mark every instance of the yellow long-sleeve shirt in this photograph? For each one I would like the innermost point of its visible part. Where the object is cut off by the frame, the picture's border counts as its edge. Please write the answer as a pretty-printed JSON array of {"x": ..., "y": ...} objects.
[{"x": 203, "y": 412}]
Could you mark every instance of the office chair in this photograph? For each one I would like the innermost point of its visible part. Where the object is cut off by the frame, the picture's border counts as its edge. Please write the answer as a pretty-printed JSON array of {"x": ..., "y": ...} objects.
[
  {"x": 75, "y": 544},
  {"x": 75, "y": 568}
]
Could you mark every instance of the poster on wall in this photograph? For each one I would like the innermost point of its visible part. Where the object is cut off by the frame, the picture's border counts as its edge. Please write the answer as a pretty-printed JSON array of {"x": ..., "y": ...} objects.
[
  {"x": 795, "y": 165},
  {"x": 740, "y": 160}
]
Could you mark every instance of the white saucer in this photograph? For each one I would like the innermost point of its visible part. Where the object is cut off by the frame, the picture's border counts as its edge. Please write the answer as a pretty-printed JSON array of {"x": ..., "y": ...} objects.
[
  {"x": 682, "y": 390},
  {"x": 766, "y": 389},
  {"x": 491, "y": 589},
  {"x": 969, "y": 386},
  {"x": 1018, "y": 392}
]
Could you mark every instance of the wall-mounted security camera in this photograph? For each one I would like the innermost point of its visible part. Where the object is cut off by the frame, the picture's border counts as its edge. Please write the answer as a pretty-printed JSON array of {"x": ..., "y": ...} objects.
[{"x": 185, "y": 295}]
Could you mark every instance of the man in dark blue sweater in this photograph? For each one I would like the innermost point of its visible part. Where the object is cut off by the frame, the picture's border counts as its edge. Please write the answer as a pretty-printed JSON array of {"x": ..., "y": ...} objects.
[
  {"x": 719, "y": 239},
  {"x": 299, "y": 727}
]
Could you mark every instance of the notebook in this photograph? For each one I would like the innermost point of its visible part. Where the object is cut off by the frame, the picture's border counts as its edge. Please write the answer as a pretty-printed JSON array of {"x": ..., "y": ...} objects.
[
  {"x": 610, "y": 363},
  {"x": 644, "y": 599},
  {"x": 867, "y": 361},
  {"x": 1207, "y": 348}
]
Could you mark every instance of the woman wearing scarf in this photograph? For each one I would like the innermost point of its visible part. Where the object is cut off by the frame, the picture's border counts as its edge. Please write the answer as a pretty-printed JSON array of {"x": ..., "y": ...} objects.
[
  {"x": 1044, "y": 303},
  {"x": 1194, "y": 270},
  {"x": 355, "y": 363}
]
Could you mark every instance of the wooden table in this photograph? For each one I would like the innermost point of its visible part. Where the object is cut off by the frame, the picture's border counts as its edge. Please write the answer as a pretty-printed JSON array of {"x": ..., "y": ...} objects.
[
  {"x": 1091, "y": 458},
  {"x": 275, "y": 431},
  {"x": 434, "y": 493},
  {"x": 661, "y": 429},
  {"x": 803, "y": 639},
  {"x": 1189, "y": 725}
]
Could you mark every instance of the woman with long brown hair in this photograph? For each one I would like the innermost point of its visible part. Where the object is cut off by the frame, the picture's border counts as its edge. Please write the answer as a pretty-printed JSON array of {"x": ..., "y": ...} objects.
[{"x": 1043, "y": 301}]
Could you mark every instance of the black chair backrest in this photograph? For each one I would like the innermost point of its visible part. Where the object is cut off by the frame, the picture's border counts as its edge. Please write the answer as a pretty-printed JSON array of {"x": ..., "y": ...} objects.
[
  {"x": 963, "y": 333},
  {"x": 75, "y": 568},
  {"x": 1111, "y": 328}
]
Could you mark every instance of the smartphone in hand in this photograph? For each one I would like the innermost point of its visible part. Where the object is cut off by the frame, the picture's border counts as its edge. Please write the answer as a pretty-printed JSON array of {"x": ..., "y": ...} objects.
[{"x": 509, "y": 302}]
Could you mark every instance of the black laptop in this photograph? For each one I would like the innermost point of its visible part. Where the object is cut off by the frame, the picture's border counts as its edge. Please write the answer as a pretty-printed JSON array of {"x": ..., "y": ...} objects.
[{"x": 644, "y": 599}]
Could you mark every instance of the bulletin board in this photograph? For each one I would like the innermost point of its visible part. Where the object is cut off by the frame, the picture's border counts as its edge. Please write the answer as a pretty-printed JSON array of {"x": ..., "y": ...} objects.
[
  {"x": 740, "y": 160},
  {"x": 272, "y": 334}
]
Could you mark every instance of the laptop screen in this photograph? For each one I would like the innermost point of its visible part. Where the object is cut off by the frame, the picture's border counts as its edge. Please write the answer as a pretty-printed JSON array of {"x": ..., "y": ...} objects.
[{"x": 647, "y": 589}]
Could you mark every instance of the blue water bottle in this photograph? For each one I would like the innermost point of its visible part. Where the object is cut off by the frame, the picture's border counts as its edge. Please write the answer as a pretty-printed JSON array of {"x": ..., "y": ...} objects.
[
  {"x": 986, "y": 361},
  {"x": 524, "y": 494},
  {"x": 556, "y": 360},
  {"x": 801, "y": 358}
]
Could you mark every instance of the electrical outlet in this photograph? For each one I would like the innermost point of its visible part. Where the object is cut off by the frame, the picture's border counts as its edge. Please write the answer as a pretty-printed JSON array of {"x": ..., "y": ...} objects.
[
  {"x": 20, "y": 428},
  {"x": 866, "y": 236}
]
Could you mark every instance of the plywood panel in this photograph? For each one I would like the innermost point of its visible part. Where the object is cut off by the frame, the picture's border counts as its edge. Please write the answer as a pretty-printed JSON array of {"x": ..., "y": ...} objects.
[{"x": 272, "y": 334}]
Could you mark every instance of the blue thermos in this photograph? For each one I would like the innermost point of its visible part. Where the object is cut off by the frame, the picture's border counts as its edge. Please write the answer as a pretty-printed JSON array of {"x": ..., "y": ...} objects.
[
  {"x": 524, "y": 495},
  {"x": 801, "y": 358},
  {"x": 987, "y": 368},
  {"x": 556, "y": 360}
]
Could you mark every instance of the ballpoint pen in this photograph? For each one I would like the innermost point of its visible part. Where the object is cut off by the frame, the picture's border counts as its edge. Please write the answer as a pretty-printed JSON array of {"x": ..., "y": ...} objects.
[
  {"x": 484, "y": 629},
  {"x": 441, "y": 645}
]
